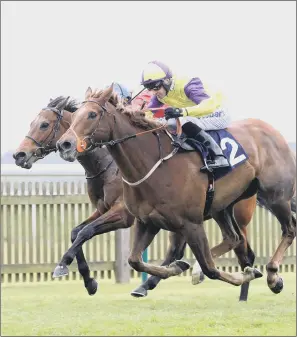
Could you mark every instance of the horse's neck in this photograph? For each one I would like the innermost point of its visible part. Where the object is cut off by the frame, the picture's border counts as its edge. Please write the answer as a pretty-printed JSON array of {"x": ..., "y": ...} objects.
[
  {"x": 96, "y": 161},
  {"x": 135, "y": 157}
]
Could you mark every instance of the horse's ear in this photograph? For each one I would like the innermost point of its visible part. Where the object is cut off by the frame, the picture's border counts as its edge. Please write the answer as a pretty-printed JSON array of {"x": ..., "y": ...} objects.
[
  {"x": 107, "y": 93},
  {"x": 60, "y": 106},
  {"x": 88, "y": 93}
]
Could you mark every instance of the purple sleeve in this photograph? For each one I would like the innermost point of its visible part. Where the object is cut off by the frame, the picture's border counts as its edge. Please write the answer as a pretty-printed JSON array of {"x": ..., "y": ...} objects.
[
  {"x": 154, "y": 103},
  {"x": 195, "y": 91}
]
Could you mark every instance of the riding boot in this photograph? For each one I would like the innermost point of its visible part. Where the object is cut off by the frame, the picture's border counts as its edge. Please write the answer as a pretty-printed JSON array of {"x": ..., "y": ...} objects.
[{"x": 194, "y": 131}]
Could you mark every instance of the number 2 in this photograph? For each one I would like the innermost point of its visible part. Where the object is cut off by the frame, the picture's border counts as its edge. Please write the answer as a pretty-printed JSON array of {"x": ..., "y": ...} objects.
[{"x": 234, "y": 147}]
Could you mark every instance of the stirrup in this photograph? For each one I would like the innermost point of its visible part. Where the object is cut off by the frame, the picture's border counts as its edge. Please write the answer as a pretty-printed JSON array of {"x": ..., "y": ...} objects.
[
  {"x": 212, "y": 164},
  {"x": 221, "y": 161},
  {"x": 206, "y": 167}
]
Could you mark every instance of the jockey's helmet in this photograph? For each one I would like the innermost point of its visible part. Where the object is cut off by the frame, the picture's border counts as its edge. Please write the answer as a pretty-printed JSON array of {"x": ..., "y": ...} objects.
[
  {"x": 155, "y": 75},
  {"x": 122, "y": 91}
]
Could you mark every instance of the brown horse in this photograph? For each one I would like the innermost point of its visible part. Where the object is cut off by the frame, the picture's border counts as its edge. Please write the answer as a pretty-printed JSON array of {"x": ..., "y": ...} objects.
[
  {"x": 105, "y": 189},
  {"x": 172, "y": 196}
]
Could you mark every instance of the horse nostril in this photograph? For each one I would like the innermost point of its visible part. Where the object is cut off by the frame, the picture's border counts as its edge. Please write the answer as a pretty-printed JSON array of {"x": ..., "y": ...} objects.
[
  {"x": 19, "y": 155},
  {"x": 65, "y": 145}
]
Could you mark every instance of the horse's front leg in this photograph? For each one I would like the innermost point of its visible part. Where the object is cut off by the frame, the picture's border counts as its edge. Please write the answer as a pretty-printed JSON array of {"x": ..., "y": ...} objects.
[
  {"x": 144, "y": 234},
  {"x": 175, "y": 251},
  {"x": 117, "y": 217},
  {"x": 83, "y": 268}
]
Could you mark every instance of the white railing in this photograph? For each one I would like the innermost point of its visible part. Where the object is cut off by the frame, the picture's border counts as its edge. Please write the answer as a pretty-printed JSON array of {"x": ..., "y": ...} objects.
[{"x": 40, "y": 206}]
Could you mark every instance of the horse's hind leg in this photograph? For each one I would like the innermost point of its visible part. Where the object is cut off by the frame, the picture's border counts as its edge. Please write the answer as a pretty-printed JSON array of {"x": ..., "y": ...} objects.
[
  {"x": 175, "y": 251},
  {"x": 247, "y": 260},
  {"x": 197, "y": 240},
  {"x": 237, "y": 241},
  {"x": 144, "y": 234},
  {"x": 233, "y": 227},
  {"x": 288, "y": 223},
  {"x": 230, "y": 240},
  {"x": 232, "y": 236},
  {"x": 243, "y": 212}
]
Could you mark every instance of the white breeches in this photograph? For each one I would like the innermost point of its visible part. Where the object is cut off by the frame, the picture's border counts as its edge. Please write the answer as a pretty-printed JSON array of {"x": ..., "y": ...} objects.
[{"x": 216, "y": 121}]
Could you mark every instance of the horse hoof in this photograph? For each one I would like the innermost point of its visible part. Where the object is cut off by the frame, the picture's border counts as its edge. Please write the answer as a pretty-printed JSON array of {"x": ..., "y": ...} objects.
[
  {"x": 92, "y": 286},
  {"x": 198, "y": 278},
  {"x": 139, "y": 292},
  {"x": 60, "y": 271},
  {"x": 253, "y": 272},
  {"x": 257, "y": 273},
  {"x": 278, "y": 286},
  {"x": 183, "y": 265}
]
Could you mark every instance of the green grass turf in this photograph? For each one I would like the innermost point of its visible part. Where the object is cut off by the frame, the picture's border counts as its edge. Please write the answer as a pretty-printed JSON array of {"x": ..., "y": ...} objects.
[{"x": 175, "y": 308}]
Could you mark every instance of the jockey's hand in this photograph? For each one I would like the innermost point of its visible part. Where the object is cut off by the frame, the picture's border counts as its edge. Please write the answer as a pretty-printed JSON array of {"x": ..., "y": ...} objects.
[{"x": 173, "y": 113}]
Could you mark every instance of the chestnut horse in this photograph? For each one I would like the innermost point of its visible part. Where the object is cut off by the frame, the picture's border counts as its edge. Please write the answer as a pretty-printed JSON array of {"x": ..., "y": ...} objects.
[
  {"x": 47, "y": 128},
  {"x": 172, "y": 196}
]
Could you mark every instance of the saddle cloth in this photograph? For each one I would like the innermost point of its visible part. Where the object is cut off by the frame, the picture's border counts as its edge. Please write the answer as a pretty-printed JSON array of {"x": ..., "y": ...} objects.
[{"x": 232, "y": 150}]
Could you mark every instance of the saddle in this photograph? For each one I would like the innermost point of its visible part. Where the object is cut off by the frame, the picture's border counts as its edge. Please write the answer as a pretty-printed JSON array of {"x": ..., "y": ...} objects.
[{"x": 191, "y": 144}]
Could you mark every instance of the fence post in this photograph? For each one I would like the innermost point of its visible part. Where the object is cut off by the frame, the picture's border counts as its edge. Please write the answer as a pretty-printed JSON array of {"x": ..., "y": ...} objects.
[{"x": 122, "y": 251}]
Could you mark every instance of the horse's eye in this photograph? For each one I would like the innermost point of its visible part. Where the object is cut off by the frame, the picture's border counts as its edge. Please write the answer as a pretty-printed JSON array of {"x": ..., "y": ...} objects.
[
  {"x": 44, "y": 125},
  {"x": 92, "y": 115}
]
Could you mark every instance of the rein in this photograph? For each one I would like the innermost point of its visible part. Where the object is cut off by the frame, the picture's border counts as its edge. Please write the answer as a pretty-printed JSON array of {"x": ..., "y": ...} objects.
[
  {"x": 100, "y": 172},
  {"x": 178, "y": 123},
  {"x": 121, "y": 140}
]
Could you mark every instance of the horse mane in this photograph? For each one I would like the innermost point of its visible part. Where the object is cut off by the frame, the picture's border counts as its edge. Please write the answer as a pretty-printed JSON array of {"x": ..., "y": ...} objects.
[
  {"x": 71, "y": 106},
  {"x": 114, "y": 99},
  {"x": 135, "y": 117}
]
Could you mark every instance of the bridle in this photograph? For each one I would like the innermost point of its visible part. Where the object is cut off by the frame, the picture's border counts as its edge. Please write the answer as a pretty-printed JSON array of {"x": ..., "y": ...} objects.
[
  {"x": 43, "y": 150},
  {"x": 81, "y": 143}
]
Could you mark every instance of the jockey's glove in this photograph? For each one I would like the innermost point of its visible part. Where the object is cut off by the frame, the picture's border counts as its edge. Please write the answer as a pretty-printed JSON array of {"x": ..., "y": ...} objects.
[{"x": 171, "y": 112}]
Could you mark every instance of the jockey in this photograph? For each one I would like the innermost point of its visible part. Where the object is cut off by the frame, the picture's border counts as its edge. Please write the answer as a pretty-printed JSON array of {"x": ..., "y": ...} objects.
[
  {"x": 188, "y": 99},
  {"x": 122, "y": 92}
]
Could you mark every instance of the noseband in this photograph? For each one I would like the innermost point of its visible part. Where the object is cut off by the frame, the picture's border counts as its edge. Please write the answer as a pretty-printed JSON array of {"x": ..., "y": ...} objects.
[{"x": 81, "y": 143}]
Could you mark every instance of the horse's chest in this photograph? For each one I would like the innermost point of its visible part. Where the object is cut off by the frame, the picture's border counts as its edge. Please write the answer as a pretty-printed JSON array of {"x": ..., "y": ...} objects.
[
  {"x": 148, "y": 214},
  {"x": 154, "y": 211},
  {"x": 157, "y": 220}
]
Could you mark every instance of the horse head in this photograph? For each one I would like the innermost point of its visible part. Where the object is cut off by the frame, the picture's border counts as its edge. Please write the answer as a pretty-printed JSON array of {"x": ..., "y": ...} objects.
[
  {"x": 49, "y": 125},
  {"x": 93, "y": 120}
]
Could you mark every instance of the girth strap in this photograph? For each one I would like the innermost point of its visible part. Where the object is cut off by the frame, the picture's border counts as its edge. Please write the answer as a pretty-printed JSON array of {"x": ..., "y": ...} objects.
[{"x": 209, "y": 193}]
